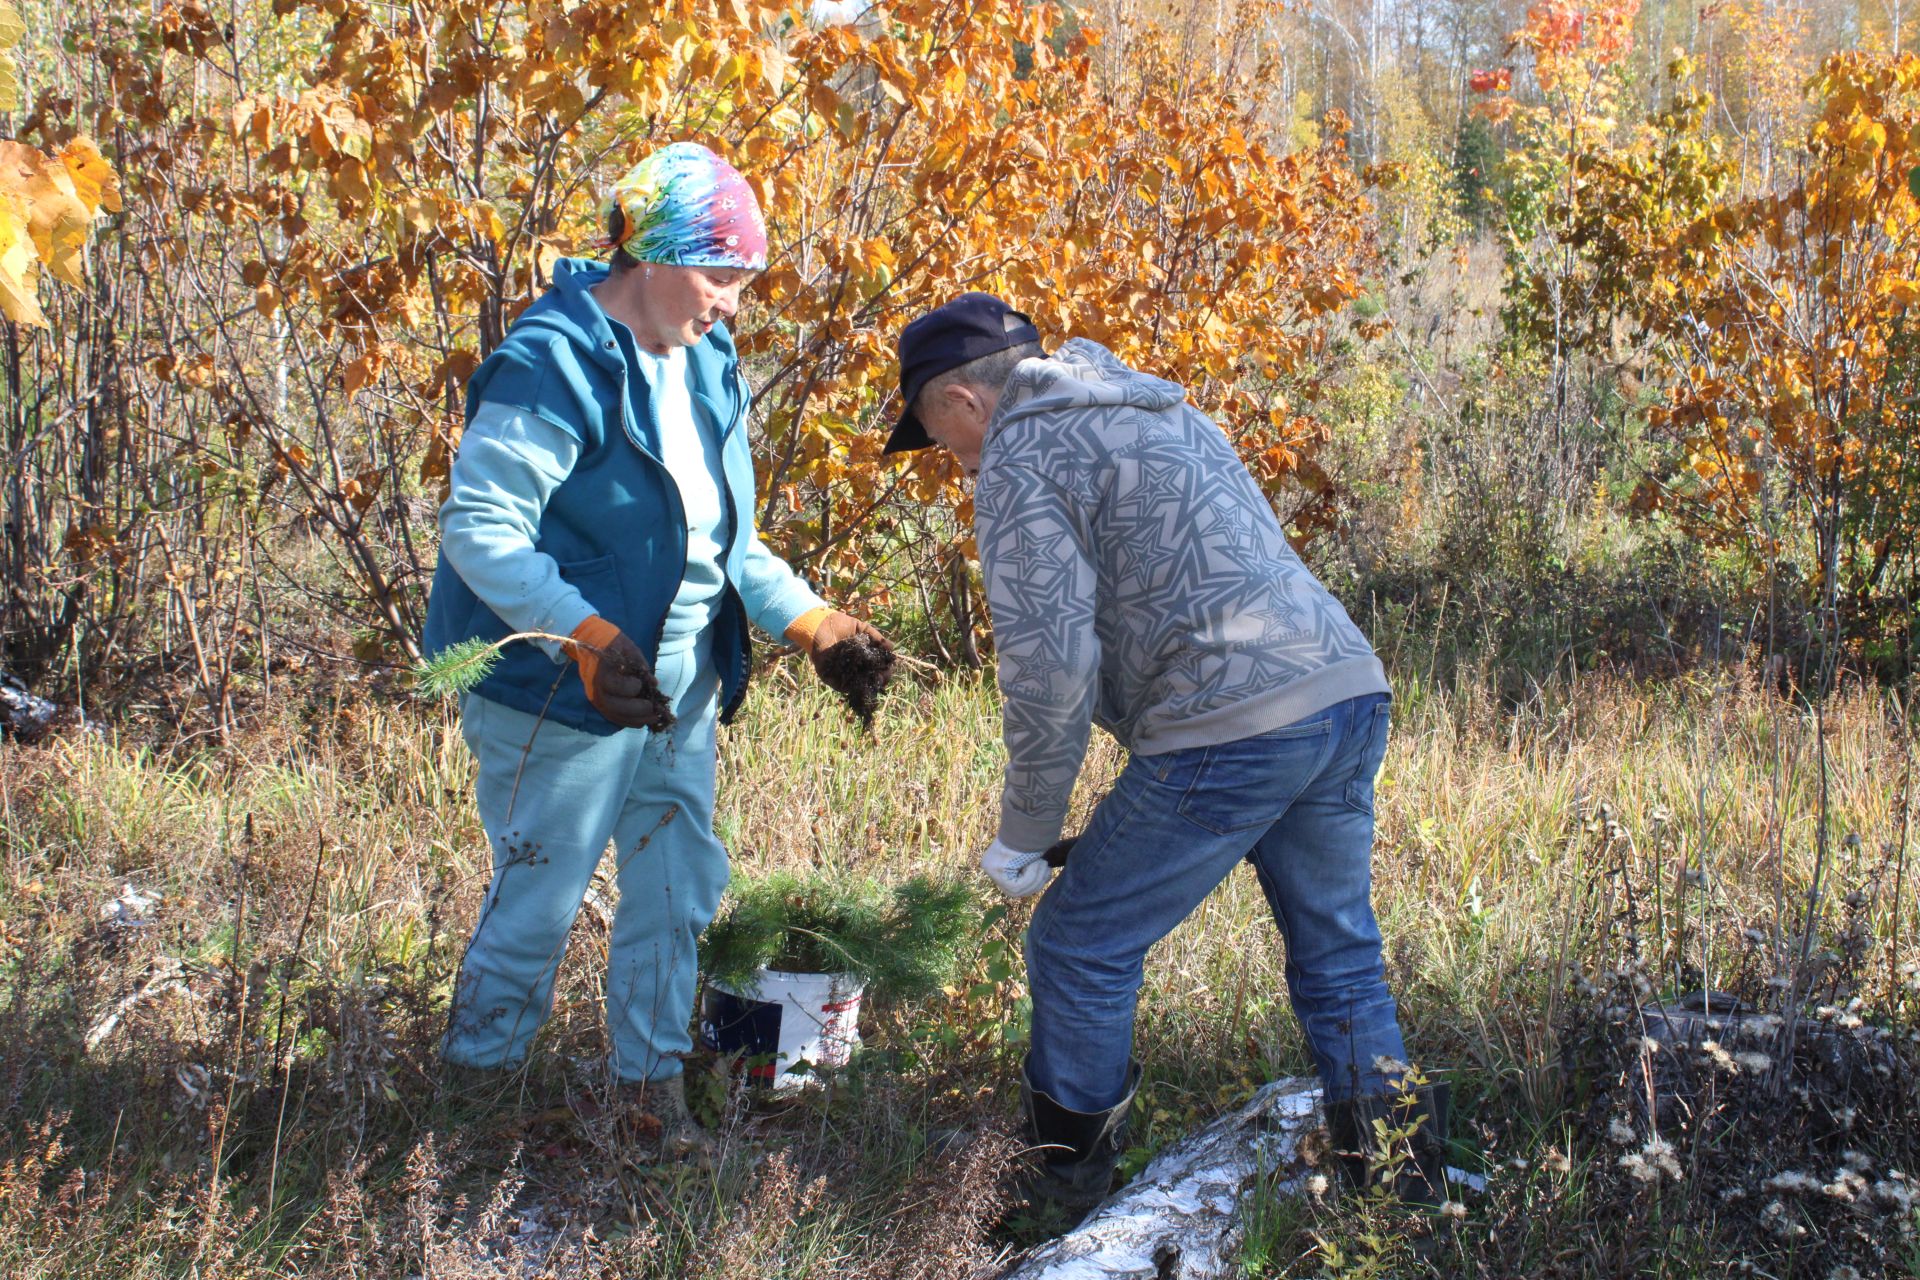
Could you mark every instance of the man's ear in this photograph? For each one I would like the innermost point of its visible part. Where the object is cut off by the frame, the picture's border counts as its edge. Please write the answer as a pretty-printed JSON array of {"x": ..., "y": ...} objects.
[{"x": 958, "y": 395}]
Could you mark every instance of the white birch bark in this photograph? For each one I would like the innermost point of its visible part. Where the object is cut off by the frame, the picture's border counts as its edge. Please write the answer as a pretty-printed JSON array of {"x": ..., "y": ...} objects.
[{"x": 1180, "y": 1219}]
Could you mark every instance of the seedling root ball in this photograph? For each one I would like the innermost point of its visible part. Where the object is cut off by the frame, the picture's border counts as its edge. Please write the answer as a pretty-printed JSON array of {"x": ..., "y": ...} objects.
[{"x": 858, "y": 669}]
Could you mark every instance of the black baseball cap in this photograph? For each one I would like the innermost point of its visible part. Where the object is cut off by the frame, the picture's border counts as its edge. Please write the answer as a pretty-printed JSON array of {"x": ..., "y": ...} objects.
[{"x": 971, "y": 326}]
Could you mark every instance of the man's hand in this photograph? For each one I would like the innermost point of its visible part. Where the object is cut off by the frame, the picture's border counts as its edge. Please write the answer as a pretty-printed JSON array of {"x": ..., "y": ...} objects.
[
  {"x": 1016, "y": 874},
  {"x": 617, "y": 676}
]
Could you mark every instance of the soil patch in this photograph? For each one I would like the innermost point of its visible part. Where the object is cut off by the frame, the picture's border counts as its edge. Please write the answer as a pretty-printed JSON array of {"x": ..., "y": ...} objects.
[{"x": 858, "y": 669}]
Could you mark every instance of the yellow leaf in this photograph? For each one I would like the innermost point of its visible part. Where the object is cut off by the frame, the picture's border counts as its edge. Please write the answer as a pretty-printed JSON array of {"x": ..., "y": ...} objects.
[
  {"x": 846, "y": 123},
  {"x": 419, "y": 213},
  {"x": 773, "y": 69},
  {"x": 56, "y": 218},
  {"x": 19, "y": 265},
  {"x": 93, "y": 178},
  {"x": 12, "y": 31}
]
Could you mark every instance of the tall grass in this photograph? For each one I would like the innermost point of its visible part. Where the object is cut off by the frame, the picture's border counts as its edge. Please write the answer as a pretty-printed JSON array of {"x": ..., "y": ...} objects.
[{"x": 268, "y": 1101}]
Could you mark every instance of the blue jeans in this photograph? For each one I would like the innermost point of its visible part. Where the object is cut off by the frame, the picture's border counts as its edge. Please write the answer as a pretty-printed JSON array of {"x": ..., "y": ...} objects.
[
  {"x": 1298, "y": 804},
  {"x": 551, "y": 798}
]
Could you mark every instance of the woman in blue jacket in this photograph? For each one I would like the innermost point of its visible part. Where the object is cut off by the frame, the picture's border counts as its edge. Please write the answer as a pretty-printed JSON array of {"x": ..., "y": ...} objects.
[{"x": 603, "y": 490}]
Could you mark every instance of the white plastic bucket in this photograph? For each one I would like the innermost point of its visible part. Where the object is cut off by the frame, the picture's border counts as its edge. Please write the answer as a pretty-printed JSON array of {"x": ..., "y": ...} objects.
[{"x": 794, "y": 1017}]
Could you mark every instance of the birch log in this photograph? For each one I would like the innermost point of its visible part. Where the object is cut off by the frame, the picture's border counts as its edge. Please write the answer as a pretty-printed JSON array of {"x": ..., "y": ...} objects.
[
  {"x": 22, "y": 715},
  {"x": 1180, "y": 1219}
]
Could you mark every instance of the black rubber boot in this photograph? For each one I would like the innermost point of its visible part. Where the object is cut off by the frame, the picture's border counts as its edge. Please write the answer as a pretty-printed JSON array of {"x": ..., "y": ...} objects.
[
  {"x": 1079, "y": 1150},
  {"x": 1420, "y": 1181}
]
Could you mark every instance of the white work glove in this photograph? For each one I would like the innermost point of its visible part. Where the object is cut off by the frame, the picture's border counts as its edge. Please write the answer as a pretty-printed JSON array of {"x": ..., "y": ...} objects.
[{"x": 1016, "y": 874}]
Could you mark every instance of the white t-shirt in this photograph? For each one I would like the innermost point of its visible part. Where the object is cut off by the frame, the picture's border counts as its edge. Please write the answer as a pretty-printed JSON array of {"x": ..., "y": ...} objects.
[{"x": 691, "y": 450}]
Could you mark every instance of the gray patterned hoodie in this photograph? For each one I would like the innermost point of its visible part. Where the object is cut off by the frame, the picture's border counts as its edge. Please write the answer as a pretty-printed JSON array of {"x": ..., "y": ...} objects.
[{"x": 1138, "y": 579}]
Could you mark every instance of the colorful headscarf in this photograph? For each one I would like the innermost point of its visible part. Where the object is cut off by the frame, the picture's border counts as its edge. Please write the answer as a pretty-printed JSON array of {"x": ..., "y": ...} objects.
[{"x": 685, "y": 206}]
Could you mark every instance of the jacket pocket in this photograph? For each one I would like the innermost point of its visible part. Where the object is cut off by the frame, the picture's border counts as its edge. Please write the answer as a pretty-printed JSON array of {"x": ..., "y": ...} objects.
[
  {"x": 598, "y": 580},
  {"x": 1250, "y": 783}
]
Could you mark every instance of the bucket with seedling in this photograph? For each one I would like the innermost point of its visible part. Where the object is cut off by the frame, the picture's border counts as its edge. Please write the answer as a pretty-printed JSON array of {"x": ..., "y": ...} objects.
[{"x": 791, "y": 958}]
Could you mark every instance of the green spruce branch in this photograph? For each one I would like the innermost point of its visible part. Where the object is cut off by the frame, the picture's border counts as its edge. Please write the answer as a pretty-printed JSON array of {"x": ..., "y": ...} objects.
[
  {"x": 902, "y": 941},
  {"x": 459, "y": 667}
]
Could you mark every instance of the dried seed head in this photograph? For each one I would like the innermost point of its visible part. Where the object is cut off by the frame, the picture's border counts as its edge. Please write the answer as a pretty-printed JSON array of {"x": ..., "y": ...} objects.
[
  {"x": 1791, "y": 1180},
  {"x": 1637, "y": 1167}
]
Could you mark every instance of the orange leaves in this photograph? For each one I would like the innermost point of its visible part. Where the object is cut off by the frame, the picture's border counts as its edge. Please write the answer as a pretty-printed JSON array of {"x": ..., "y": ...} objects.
[
  {"x": 363, "y": 370},
  {"x": 443, "y": 441},
  {"x": 333, "y": 127},
  {"x": 360, "y": 492},
  {"x": 94, "y": 181},
  {"x": 187, "y": 28},
  {"x": 1146, "y": 212},
  {"x": 1555, "y": 32},
  {"x": 436, "y": 158},
  {"x": 47, "y": 205},
  {"x": 1786, "y": 312}
]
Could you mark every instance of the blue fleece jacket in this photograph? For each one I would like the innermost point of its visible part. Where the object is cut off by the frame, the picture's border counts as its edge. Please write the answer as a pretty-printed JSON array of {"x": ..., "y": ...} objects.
[{"x": 610, "y": 534}]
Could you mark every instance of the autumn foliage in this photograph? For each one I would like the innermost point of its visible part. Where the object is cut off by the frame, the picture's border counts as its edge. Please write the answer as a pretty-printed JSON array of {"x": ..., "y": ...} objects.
[
  {"x": 335, "y": 213},
  {"x": 1783, "y": 320},
  {"x": 250, "y": 254},
  {"x": 1791, "y": 320}
]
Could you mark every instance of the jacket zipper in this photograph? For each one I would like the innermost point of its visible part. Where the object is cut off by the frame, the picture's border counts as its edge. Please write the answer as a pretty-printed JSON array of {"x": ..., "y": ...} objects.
[
  {"x": 673, "y": 486},
  {"x": 726, "y": 488}
]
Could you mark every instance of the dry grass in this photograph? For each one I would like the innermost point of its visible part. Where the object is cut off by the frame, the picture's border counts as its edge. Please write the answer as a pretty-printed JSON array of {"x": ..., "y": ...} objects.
[{"x": 266, "y": 1101}]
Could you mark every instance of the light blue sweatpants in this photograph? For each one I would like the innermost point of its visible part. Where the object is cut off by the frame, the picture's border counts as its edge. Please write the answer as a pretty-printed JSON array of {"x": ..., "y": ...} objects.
[{"x": 549, "y": 809}]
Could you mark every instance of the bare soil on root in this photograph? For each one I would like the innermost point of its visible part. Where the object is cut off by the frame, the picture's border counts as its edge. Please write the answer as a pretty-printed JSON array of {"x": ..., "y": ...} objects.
[{"x": 859, "y": 670}]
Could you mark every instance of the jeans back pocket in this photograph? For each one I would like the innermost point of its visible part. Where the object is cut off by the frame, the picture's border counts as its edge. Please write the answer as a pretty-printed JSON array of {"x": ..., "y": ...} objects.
[{"x": 1251, "y": 782}]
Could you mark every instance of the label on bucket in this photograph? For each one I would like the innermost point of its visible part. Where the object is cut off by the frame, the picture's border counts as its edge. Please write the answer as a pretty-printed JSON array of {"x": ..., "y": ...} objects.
[{"x": 790, "y": 1018}]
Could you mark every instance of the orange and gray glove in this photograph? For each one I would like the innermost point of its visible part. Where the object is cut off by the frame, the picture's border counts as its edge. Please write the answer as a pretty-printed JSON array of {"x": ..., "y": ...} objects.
[
  {"x": 819, "y": 629},
  {"x": 617, "y": 676}
]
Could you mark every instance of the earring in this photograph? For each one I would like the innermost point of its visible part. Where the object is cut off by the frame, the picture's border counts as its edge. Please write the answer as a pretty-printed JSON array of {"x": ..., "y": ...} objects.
[{"x": 647, "y": 272}]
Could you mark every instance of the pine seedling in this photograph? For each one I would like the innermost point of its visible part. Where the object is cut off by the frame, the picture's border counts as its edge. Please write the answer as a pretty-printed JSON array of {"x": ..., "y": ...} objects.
[{"x": 459, "y": 667}]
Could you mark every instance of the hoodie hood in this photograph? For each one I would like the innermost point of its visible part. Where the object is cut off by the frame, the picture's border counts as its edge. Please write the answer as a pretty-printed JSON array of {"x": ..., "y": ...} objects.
[{"x": 1082, "y": 374}]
